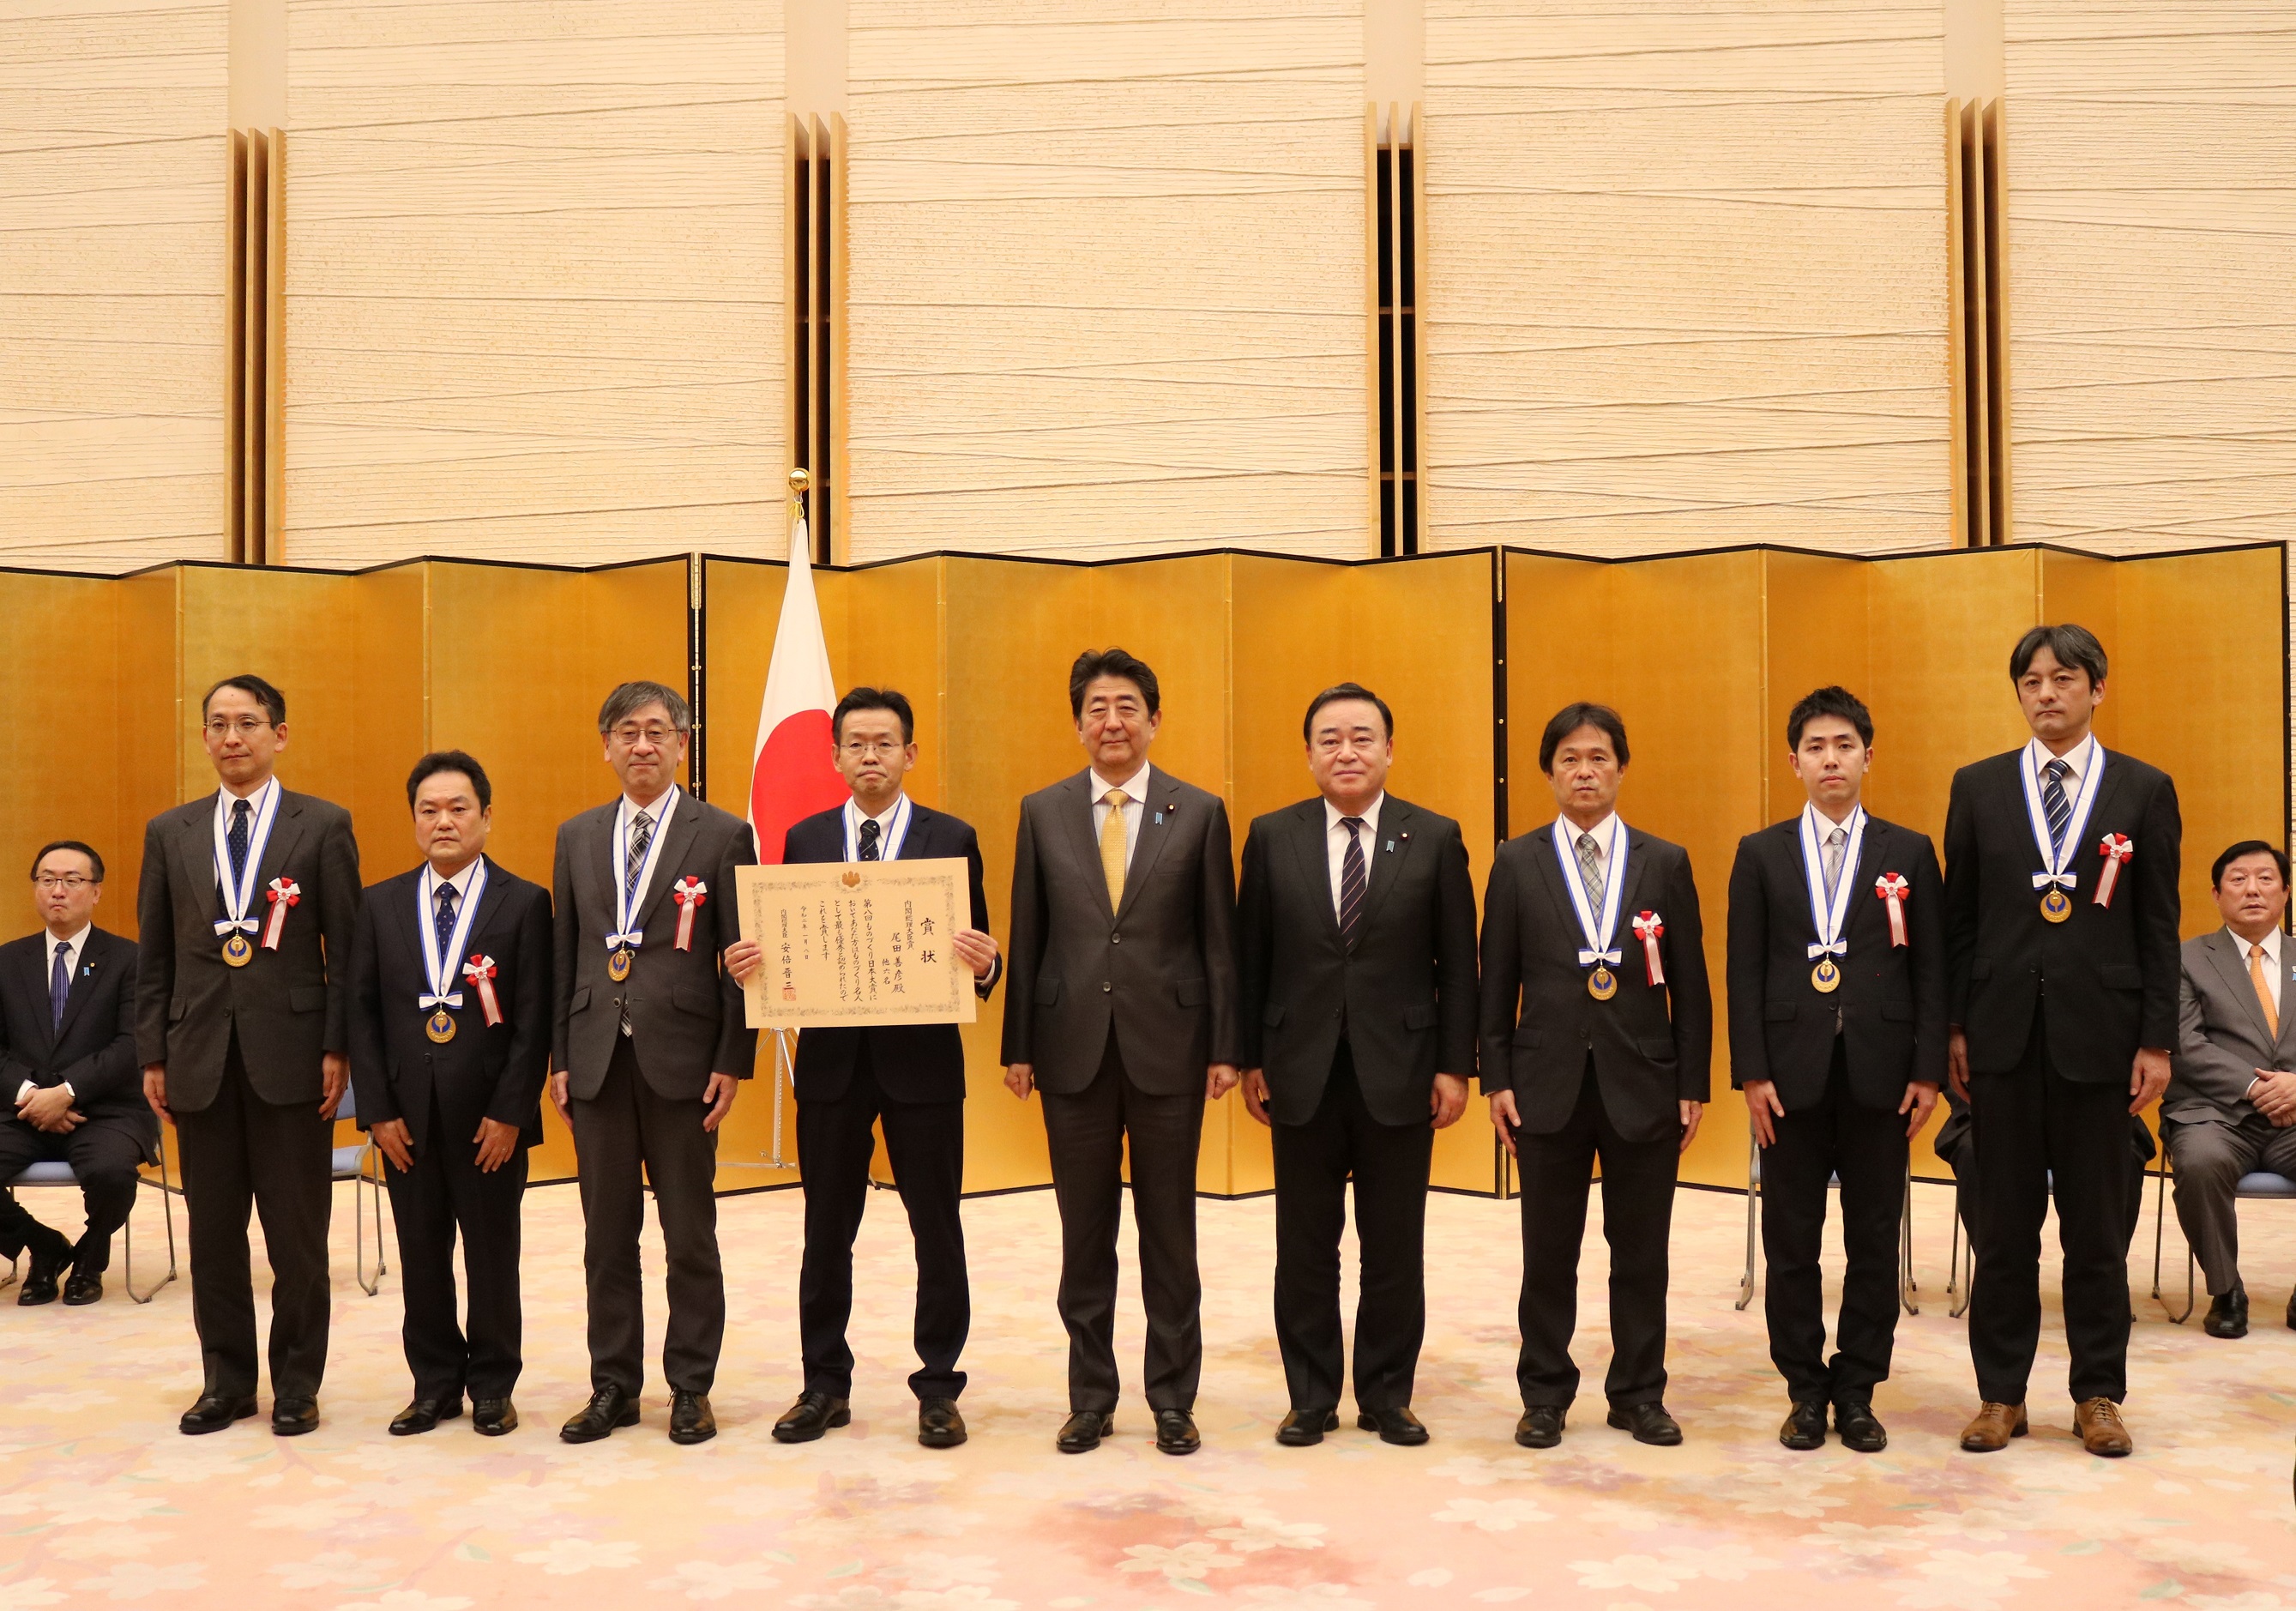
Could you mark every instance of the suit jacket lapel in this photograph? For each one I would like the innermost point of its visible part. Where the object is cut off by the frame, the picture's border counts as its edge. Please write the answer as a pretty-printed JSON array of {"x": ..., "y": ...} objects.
[
  {"x": 1395, "y": 829},
  {"x": 1566, "y": 915},
  {"x": 286, "y": 830},
  {"x": 1622, "y": 938},
  {"x": 1076, "y": 821},
  {"x": 194, "y": 844},
  {"x": 2221, "y": 951},
  {"x": 35, "y": 975},
  {"x": 1315, "y": 864},
  {"x": 406, "y": 916},
  {"x": 913, "y": 842},
  {"x": 677, "y": 838},
  {"x": 1155, "y": 828}
]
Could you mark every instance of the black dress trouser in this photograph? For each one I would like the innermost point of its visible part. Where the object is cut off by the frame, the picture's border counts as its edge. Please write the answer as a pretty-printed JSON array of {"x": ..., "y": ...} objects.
[
  {"x": 105, "y": 1155},
  {"x": 925, "y": 1144},
  {"x": 446, "y": 1192},
  {"x": 1837, "y": 1135},
  {"x": 1638, "y": 1177},
  {"x": 2031, "y": 1122},
  {"x": 240, "y": 1152},
  {"x": 1390, "y": 1163}
]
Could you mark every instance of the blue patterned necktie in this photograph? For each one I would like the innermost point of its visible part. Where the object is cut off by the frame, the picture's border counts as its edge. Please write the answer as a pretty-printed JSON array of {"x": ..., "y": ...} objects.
[
  {"x": 2059, "y": 809},
  {"x": 443, "y": 921},
  {"x": 641, "y": 836},
  {"x": 1351, "y": 879},
  {"x": 236, "y": 841},
  {"x": 869, "y": 832},
  {"x": 60, "y": 986}
]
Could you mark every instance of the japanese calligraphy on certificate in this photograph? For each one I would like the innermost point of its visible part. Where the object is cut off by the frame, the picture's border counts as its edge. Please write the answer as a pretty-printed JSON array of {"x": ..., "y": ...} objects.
[{"x": 857, "y": 943}]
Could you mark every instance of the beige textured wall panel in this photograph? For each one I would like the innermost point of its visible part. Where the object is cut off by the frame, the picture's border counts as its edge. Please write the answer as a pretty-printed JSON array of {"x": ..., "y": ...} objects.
[
  {"x": 534, "y": 276},
  {"x": 1107, "y": 277},
  {"x": 1686, "y": 275},
  {"x": 2153, "y": 330},
  {"x": 112, "y": 196}
]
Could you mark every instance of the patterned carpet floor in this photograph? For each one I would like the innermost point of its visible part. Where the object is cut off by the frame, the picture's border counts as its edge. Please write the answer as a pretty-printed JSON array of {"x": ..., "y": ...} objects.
[{"x": 102, "y": 1502}]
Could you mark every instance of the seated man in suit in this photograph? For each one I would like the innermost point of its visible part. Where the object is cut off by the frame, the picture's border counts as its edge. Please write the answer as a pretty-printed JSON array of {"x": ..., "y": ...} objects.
[
  {"x": 450, "y": 1045},
  {"x": 908, "y": 1077},
  {"x": 68, "y": 1068},
  {"x": 2231, "y": 1106}
]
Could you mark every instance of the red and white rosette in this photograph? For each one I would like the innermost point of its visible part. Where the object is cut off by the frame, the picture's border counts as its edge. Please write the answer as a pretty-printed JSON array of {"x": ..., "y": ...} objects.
[
  {"x": 2116, "y": 849},
  {"x": 1650, "y": 928},
  {"x": 1892, "y": 890},
  {"x": 283, "y": 893},
  {"x": 689, "y": 893},
  {"x": 479, "y": 971}
]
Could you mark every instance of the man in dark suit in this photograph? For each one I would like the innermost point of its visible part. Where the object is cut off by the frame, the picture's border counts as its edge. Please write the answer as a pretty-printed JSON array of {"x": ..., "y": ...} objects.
[
  {"x": 1837, "y": 1038},
  {"x": 242, "y": 1020},
  {"x": 2061, "y": 940},
  {"x": 651, "y": 1043},
  {"x": 1597, "y": 1040},
  {"x": 450, "y": 1046},
  {"x": 68, "y": 1067},
  {"x": 1356, "y": 958},
  {"x": 2231, "y": 1106},
  {"x": 1121, "y": 1008},
  {"x": 908, "y": 1077}
]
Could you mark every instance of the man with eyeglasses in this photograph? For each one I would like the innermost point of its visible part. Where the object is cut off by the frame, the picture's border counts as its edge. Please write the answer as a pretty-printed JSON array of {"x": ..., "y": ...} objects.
[
  {"x": 242, "y": 1023},
  {"x": 68, "y": 1067},
  {"x": 651, "y": 1043},
  {"x": 910, "y": 1078}
]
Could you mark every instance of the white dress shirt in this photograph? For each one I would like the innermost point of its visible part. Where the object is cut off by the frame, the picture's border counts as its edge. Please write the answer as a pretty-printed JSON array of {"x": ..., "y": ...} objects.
[
  {"x": 2271, "y": 944},
  {"x": 226, "y": 800},
  {"x": 462, "y": 887},
  {"x": 1602, "y": 832},
  {"x": 71, "y": 946},
  {"x": 1335, "y": 843},
  {"x": 2078, "y": 762},
  {"x": 1136, "y": 805},
  {"x": 886, "y": 847}
]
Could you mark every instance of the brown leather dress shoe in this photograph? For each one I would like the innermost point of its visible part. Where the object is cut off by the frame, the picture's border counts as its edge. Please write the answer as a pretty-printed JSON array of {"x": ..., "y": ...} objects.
[
  {"x": 1993, "y": 1427},
  {"x": 2101, "y": 1431}
]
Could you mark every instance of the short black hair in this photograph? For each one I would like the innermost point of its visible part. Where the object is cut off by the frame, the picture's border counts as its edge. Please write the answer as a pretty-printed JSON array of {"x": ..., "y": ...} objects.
[
  {"x": 88, "y": 850},
  {"x": 2074, "y": 646},
  {"x": 1580, "y": 713},
  {"x": 1111, "y": 662},
  {"x": 451, "y": 761},
  {"x": 629, "y": 698},
  {"x": 875, "y": 699},
  {"x": 2247, "y": 847},
  {"x": 1832, "y": 700},
  {"x": 274, "y": 702},
  {"x": 1337, "y": 692}
]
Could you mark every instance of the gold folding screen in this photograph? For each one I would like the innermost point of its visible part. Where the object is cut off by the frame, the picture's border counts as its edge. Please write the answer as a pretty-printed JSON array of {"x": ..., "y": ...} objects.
[{"x": 1704, "y": 654}]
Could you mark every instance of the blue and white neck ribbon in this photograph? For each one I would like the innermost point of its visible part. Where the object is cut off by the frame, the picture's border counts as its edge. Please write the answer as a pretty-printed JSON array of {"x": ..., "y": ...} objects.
[
  {"x": 1829, "y": 917},
  {"x": 437, "y": 968},
  {"x": 1597, "y": 930},
  {"x": 2053, "y": 860},
  {"x": 239, "y": 894},
  {"x": 888, "y": 847},
  {"x": 630, "y": 899}
]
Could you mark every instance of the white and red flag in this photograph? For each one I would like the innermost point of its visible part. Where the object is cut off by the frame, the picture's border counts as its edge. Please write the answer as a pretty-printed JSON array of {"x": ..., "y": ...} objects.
[{"x": 790, "y": 774}]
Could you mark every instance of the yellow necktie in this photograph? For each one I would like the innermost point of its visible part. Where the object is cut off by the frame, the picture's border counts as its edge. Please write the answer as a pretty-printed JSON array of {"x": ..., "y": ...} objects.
[
  {"x": 2263, "y": 982},
  {"x": 1111, "y": 846}
]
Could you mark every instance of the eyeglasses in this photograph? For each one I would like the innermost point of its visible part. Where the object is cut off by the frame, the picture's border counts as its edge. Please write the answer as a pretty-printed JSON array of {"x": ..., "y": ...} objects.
[
  {"x": 860, "y": 747},
  {"x": 73, "y": 881},
  {"x": 630, "y": 734},
  {"x": 246, "y": 727}
]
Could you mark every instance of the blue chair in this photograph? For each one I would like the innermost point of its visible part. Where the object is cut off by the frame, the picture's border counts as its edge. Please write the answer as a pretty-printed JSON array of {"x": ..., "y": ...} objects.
[
  {"x": 2261, "y": 1183},
  {"x": 61, "y": 1174},
  {"x": 1905, "y": 1285},
  {"x": 362, "y": 1165}
]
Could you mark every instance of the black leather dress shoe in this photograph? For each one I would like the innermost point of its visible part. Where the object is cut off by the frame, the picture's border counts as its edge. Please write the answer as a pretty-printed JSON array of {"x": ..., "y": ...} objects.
[
  {"x": 1303, "y": 1427},
  {"x": 423, "y": 1414},
  {"x": 1860, "y": 1433},
  {"x": 2227, "y": 1315},
  {"x": 813, "y": 1414},
  {"x": 1650, "y": 1424},
  {"x": 213, "y": 1413},
  {"x": 83, "y": 1286},
  {"x": 1081, "y": 1433},
  {"x": 1175, "y": 1432},
  {"x": 690, "y": 1419},
  {"x": 1541, "y": 1426},
  {"x": 292, "y": 1418},
  {"x": 1395, "y": 1425},
  {"x": 51, "y": 1255},
  {"x": 492, "y": 1418},
  {"x": 1805, "y": 1426},
  {"x": 609, "y": 1407},
  {"x": 939, "y": 1423}
]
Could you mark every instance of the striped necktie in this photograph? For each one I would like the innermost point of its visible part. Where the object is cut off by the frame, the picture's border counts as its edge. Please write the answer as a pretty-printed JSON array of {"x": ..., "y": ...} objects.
[
  {"x": 1351, "y": 879},
  {"x": 2058, "y": 810}
]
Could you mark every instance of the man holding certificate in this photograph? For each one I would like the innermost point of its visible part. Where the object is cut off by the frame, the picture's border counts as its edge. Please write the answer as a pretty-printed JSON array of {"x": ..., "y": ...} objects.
[
  {"x": 908, "y": 1076},
  {"x": 1597, "y": 1034},
  {"x": 1837, "y": 1038},
  {"x": 2062, "y": 967}
]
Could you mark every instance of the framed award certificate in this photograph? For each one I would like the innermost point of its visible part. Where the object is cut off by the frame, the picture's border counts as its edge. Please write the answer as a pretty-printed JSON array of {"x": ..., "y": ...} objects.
[{"x": 857, "y": 943}]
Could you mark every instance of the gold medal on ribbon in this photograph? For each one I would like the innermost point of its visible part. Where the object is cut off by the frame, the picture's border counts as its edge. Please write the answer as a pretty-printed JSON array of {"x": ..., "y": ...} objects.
[
  {"x": 1602, "y": 984},
  {"x": 618, "y": 963},
  {"x": 236, "y": 951},
  {"x": 439, "y": 1026},
  {"x": 2055, "y": 906},
  {"x": 1825, "y": 976}
]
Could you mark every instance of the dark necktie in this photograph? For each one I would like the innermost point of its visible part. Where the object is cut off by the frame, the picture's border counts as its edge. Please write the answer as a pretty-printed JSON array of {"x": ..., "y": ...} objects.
[
  {"x": 444, "y": 921},
  {"x": 236, "y": 840},
  {"x": 869, "y": 832},
  {"x": 2059, "y": 809},
  {"x": 58, "y": 987},
  {"x": 1351, "y": 879},
  {"x": 641, "y": 836}
]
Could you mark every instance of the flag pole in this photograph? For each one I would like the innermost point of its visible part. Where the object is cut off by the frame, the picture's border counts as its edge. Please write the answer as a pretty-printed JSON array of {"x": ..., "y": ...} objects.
[{"x": 800, "y": 481}]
